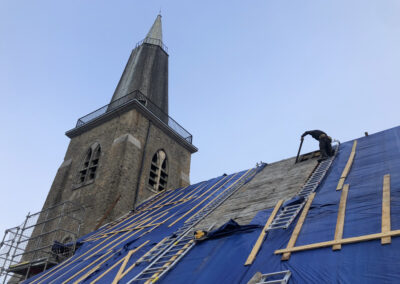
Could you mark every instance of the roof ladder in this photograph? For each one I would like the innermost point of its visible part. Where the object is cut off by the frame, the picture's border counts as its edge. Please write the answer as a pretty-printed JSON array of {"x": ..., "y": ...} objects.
[
  {"x": 287, "y": 214},
  {"x": 281, "y": 277},
  {"x": 166, "y": 254}
]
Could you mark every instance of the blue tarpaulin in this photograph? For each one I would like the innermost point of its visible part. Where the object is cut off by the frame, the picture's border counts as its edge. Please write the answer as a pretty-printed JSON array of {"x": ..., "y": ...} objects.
[
  {"x": 102, "y": 252},
  {"x": 221, "y": 260}
]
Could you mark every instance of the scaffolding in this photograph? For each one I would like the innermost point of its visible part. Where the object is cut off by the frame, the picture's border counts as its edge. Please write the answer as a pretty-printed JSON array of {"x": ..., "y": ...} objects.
[{"x": 44, "y": 239}]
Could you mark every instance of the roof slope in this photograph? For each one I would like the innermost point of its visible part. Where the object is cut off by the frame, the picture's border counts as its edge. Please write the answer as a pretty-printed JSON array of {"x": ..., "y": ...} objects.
[
  {"x": 222, "y": 260},
  {"x": 278, "y": 180},
  {"x": 102, "y": 252}
]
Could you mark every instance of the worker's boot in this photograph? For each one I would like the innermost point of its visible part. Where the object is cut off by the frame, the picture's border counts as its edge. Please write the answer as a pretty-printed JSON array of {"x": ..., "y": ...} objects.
[{"x": 322, "y": 159}]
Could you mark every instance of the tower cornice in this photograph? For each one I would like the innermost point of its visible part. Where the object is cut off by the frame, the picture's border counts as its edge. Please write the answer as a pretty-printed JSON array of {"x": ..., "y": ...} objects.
[{"x": 138, "y": 101}]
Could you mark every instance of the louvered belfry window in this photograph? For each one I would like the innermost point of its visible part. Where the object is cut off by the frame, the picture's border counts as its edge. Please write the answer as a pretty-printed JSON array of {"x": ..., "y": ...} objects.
[
  {"x": 87, "y": 172},
  {"x": 158, "y": 171}
]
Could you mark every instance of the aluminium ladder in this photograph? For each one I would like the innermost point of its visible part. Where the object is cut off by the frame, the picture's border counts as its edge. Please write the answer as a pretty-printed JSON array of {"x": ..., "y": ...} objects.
[
  {"x": 266, "y": 278},
  {"x": 167, "y": 253},
  {"x": 287, "y": 214}
]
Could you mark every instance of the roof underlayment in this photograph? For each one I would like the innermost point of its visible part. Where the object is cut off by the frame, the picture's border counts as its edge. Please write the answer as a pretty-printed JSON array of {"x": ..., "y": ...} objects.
[{"x": 221, "y": 260}]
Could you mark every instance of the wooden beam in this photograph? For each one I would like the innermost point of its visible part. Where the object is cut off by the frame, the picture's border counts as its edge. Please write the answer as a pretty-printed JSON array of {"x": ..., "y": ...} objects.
[
  {"x": 342, "y": 242},
  {"x": 386, "y": 209},
  {"x": 87, "y": 274},
  {"x": 297, "y": 229},
  {"x": 347, "y": 167},
  {"x": 261, "y": 237},
  {"x": 340, "y": 217},
  {"x": 121, "y": 260},
  {"x": 126, "y": 259},
  {"x": 340, "y": 184}
]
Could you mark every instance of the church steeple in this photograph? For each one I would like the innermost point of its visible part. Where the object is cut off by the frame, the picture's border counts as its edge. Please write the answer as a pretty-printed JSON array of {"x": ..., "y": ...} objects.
[
  {"x": 156, "y": 30},
  {"x": 147, "y": 69}
]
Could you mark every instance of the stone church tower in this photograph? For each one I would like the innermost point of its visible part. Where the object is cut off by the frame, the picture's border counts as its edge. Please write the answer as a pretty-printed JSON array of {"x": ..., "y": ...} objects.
[{"x": 129, "y": 150}]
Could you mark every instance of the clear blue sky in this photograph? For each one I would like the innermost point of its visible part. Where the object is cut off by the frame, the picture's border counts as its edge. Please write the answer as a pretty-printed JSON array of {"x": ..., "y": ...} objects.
[{"x": 246, "y": 78}]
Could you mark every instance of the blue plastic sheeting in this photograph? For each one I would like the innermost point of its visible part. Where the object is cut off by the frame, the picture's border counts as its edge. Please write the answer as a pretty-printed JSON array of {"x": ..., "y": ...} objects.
[
  {"x": 99, "y": 251},
  {"x": 222, "y": 260},
  {"x": 229, "y": 228}
]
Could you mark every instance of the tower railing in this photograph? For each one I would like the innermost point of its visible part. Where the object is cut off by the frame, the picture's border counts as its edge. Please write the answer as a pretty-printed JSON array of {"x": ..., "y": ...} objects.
[
  {"x": 147, "y": 103},
  {"x": 153, "y": 41}
]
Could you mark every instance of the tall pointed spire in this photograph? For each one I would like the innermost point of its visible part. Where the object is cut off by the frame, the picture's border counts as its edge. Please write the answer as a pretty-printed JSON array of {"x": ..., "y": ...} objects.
[
  {"x": 147, "y": 69},
  {"x": 156, "y": 30}
]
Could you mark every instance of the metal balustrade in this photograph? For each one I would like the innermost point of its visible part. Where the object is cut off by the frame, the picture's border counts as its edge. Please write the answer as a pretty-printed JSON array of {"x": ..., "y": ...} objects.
[{"x": 147, "y": 103}]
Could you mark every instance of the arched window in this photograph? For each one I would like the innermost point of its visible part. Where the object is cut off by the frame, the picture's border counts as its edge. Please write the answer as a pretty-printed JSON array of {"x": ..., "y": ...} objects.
[
  {"x": 87, "y": 172},
  {"x": 158, "y": 171}
]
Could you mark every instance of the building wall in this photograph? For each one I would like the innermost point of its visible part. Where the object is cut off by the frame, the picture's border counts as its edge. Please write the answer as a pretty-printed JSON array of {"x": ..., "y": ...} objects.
[{"x": 123, "y": 145}]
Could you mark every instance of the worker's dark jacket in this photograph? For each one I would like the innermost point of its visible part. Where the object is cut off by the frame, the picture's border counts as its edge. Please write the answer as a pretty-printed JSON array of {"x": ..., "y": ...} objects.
[
  {"x": 314, "y": 133},
  {"x": 324, "y": 142}
]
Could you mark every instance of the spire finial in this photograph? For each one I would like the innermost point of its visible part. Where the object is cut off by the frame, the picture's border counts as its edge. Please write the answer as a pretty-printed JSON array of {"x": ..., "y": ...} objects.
[{"x": 155, "y": 32}]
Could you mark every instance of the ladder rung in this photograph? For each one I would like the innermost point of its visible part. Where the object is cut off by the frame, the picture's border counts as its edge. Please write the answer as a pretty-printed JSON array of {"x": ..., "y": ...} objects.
[
  {"x": 157, "y": 269},
  {"x": 281, "y": 218},
  {"x": 147, "y": 278},
  {"x": 279, "y": 227},
  {"x": 276, "y": 223},
  {"x": 273, "y": 281},
  {"x": 287, "y": 214},
  {"x": 313, "y": 180},
  {"x": 178, "y": 249},
  {"x": 293, "y": 208}
]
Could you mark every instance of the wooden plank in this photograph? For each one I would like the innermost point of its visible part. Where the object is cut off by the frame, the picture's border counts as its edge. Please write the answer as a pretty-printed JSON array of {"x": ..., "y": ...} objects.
[
  {"x": 340, "y": 217},
  {"x": 342, "y": 242},
  {"x": 260, "y": 239},
  {"x": 88, "y": 257},
  {"x": 340, "y": 183},
  {"x": 107, "y": 271},
  {"x": 299, "y": 224},
  {"x": 386, "y": 209},
  {"x": 126, "y": 259},
  {"x": 130, "y": 268},
  {"x": 131, "y": 228},
  {"x": 86, "y": 275},
  {"x": 353, "y": 149},
  {"x": 105, "y": 246},
  {"x": 347, "y": 167}
]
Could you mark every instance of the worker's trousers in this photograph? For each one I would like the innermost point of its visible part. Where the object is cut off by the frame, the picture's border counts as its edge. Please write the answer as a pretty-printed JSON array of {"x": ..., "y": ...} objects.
[{"x": 325, "y": 147}]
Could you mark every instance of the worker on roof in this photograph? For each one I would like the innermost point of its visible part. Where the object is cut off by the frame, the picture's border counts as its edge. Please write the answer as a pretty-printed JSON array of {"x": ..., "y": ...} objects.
[{"x": 324, "y": 143}]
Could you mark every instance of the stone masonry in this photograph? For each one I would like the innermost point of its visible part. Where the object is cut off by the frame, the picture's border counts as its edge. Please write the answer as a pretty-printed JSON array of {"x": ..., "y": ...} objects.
[{"x": 123, "y": 146}]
